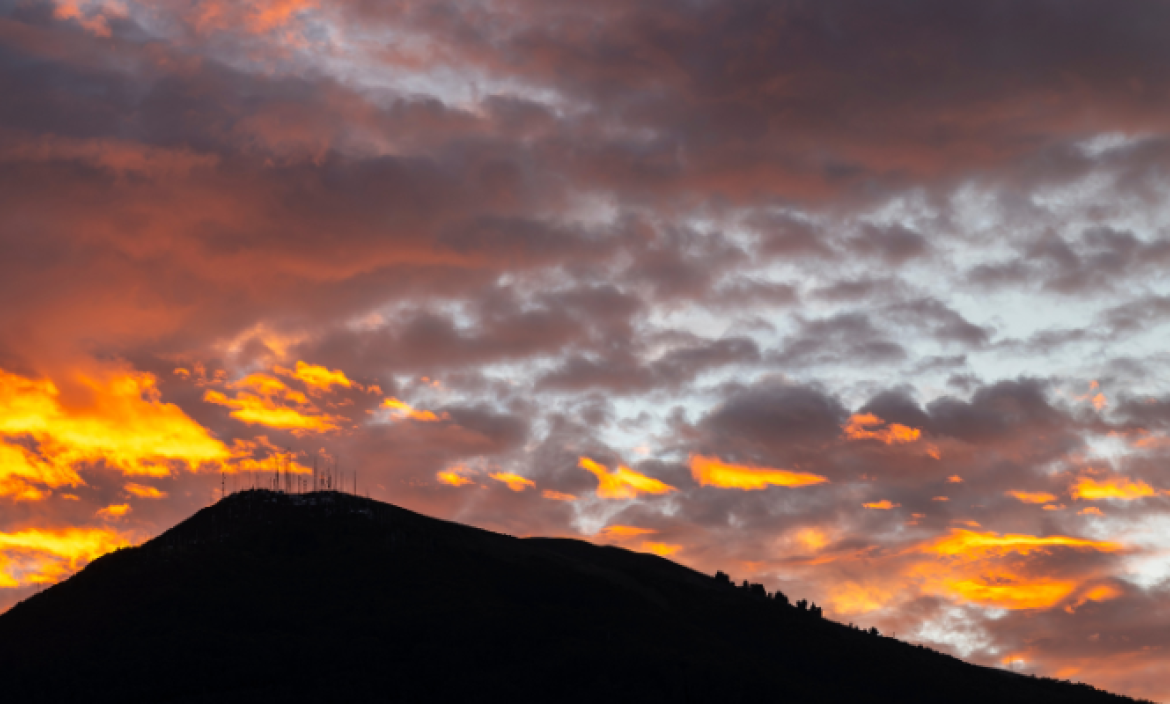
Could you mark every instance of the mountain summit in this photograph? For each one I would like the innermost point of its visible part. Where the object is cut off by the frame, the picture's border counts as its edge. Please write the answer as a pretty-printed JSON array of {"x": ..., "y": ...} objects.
[{"x": 328, "y": 597}]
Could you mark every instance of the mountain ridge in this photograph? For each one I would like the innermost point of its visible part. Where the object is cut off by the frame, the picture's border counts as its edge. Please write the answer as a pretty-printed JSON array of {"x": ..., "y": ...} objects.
[{"x": 267, "y": 596}]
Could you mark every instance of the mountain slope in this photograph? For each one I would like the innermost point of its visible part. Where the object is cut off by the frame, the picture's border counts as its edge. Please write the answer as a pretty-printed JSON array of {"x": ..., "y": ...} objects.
[{"x": 329, "y": 597}]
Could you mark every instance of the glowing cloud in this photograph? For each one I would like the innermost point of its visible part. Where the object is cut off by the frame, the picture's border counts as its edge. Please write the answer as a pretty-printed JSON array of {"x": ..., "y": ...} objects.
[
  {"x": 45, "y": 556},
  {"x": 661, "y": 549},
  {"x": 965, "y": 542},
  {"x": 860, "y": 428},
  {"x": 1090, "y": 511},
  {"x": 115, "y": 418},
  {"x": 557, "y": 496},
  {"x": 450, "y": 477},
  {"x": 144, "y": 492},
  {"x": 404, "y": 410},
  {"x": 317, "y": 378},
  {"x": 883, "y": 505},
  {"x": 1103, "y": 592},
  {"x": 624, "y": 531},
  {"x": 514, "y": 481},
  {"x": 1121, "y": 488},
  {"x": 1032, "y": 497},
  {"x": 622, "y": 483},
  {"x": 262, "y": 399},
  {"x": 710, "y": 471},
  {"x": 1007, "y": 591},
  {"x": 114, "y": 511},
  {"x": 955, "y": 479},
  {"x": 986, "y": 569}
]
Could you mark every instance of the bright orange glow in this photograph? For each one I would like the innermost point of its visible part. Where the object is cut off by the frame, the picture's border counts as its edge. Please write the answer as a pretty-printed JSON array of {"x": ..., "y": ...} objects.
[
  {"x": 860, "y": 424},
  {"x": 662, "y": 549},
  {"x": 557, "y": 496},
  {"x": 941, "y": 498},
  {"x": 965, "y": 542},
  {"x": 1053, "y": 507},
  {"x": 984, "y": 568},
  {"x": 955, "y": 479},
  {"x": 404, "y": 410},
  {"x": 853, "y": 598},
  {"x": 449, "y": 477},
  {"x": 710, "y": 471},
  {"x": 317, "y": 378},
  {"x": 144, "y": 492},
  {"x": 1090, "y": 511},
  {"x": 883, "y": 505},
  {"x": 624, "y": 531},
  {"x": 115, "y": 417},
  {"x": 114, "y": 511},
  {"x": 1032, "y": 497},
  {"x": 262, "y": 399},
  {"x": 1006, "y": 591},
  {"x": 622, "y": 483},
  {"x": 514, "y": 481},
  {"x": 276, "y": 461},
  {"x": 1100, "y": 402},
  {"x": 812, "y": 539},
  {"x": 1103, "y": 592},
  {"x": 45, "y": 556},
  {"x": 1113, "y": 488}
]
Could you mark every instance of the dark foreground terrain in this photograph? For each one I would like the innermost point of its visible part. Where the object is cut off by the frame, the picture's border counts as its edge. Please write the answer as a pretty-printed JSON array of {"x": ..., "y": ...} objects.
[{"x": 327, "y": 597}]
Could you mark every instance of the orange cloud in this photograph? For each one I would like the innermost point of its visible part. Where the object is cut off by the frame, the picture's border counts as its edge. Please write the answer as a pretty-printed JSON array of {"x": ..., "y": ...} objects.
[
  {"x": 661, "y": 549},
  {"x": 514, "y": 481},
  {"x": 114, "y": 417},
  {"x": 450, "y": 477},
  {"x": 44, "y": 556},
  {"x": 317, "y": 378},
  {"x": 622, "y": 483},
  {"x": 1099, "y": 593},
  {"x": 558, "y": 496},
  {"x": 1032, "y": 497},
  {"x": 624, "y": 531},
  {"x": 262, "y": 399},
  {"x": 1090, "y": 511},
  {"x": 404, "y": 410},
  {"x": 965, "y": 542},
  {"x": 114, "y": 511},
  {"x": 983, "y": 568},
  {"x": 144, "y": 492},
  {"x": 1114, "y": 488},
  {"x": 1009, "y": 591},
  {"x": 710, "y": 471},
  {"x": 860, "y": 424},
  {"x": 883, "y": 505},
  {"x": 955, "y": 479}
]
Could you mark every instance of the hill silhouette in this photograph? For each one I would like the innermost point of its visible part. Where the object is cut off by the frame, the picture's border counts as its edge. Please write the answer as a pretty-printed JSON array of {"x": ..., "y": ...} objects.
[{"x": 328, "y": 597}]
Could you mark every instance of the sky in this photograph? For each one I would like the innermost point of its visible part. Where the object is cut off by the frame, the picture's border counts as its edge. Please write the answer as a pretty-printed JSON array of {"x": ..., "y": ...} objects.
[{"x": 864, "y": 301}]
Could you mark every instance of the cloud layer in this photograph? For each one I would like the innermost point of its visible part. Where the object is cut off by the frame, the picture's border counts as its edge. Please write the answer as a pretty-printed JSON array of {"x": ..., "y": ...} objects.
[{"x": 860, "y": 300}]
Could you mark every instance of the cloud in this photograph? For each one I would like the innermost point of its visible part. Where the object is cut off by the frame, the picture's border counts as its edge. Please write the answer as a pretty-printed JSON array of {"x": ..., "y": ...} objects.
[
  {"x": 43, "y": 556},
  {"x": 623, "y": 482},
  {"x": 1089, "y": 489},
  {"x": 112, "y": 416},
  {"x": 514, "y": 482},
  {"x": 710, "y": 471}
]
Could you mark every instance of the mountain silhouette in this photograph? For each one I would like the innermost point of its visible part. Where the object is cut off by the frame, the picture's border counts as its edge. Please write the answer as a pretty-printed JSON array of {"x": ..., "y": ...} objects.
[{"x": 328, "y": 597}]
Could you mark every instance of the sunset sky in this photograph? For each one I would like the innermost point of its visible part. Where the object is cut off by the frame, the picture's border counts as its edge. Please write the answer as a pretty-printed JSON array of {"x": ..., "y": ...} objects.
[{"x": 866, "y": 301}]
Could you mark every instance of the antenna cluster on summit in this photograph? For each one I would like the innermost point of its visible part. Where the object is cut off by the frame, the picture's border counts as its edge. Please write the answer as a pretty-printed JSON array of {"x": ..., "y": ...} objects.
[{"x": 285, "y": 480}]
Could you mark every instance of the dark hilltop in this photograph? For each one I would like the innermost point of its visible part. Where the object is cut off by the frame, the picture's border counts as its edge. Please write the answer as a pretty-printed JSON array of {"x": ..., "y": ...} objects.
[{"x": 328, "y": 597}]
